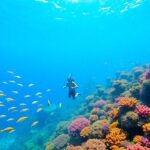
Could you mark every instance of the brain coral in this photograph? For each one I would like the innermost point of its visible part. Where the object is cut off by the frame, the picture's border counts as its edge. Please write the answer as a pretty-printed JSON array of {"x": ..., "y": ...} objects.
[
  {"x": 127, "y": 102},
  {"x": 142, "y": 110},
  {"x": 77, "y": 125},
  {"x": 146, "y": 128},
  {"x": 94, "y": 144},
  {"x": 115, "y": 137},
  {"x": 85, "y": 132},
  {"x": 137, "y": 139},
  {"x": 61, "y": 141},
  {"x": 137, "y": 147}
]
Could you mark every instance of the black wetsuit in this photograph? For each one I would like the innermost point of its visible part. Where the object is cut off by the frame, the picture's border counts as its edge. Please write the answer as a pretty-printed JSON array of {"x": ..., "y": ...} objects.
[{"x": 72, "y": 91}]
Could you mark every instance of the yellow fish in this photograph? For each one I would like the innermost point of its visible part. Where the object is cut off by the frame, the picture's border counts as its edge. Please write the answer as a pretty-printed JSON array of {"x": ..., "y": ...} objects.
[
  {"x": 24, "y": 110},
  {"x": 22, "y": 119},
  {"x": 27, "y": 96},
  {"x": 9, "y": 99},
  {"x": 34, "y": 123},
  {"x": 39, "y": 109},
  {"x": 18, "y": 77},
  {"x": 8, "y": 129},
  {"x": 12, "y": 131},
  {"x": 31, "y": 84},
  {"x": 2, "y": 95},
  {"x": 34, "y": 102},
  {"x": 38, "y": 93}
]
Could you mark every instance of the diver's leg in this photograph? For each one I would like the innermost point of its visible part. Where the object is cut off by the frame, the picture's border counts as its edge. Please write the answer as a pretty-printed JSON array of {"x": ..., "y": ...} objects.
[{"x": 69, "y": 94}]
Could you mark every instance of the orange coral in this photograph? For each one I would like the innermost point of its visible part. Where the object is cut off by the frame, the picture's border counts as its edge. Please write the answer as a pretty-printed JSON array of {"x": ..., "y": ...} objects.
[
  {"x": 114, "y": 147},
  {"x": 95, "y": 111},
  {"x": 93, "y": 118},
  {"x": 115, "y": 137},
  {"x": 146, "y": 128},
  {"x": 94, "y": 144},
  {"x": 128, "y": 102},
  {"x": 114, "y": 113},
  {"x": 137, "y": 139},
  {"x": 113, "y": 125},
  {"x": 74, "y": 148},
  {"x": 85, "y": 131}
]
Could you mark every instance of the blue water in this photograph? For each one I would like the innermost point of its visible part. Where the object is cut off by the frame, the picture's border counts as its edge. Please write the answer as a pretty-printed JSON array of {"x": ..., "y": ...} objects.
[{"x": 44, "y": 42}]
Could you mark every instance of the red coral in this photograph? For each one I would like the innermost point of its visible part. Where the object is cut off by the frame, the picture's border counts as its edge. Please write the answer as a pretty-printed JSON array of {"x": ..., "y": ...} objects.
[{"x": 137, "y": 147}]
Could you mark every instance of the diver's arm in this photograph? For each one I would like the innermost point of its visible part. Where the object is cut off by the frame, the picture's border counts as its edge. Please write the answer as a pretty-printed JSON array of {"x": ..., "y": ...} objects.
[
  {"x": 65, "y": 86},
  {"x": 75, "y": 85}
]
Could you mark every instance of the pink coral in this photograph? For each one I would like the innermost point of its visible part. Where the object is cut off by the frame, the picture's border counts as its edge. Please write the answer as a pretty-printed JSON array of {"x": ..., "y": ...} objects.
[
  {"x": 137, "y": 147},
  {"x": 142, "y": 110},
  {"x": 99, "y": 103},
  {"x": 145, "y": 141},
  {"x": 77, "y": 125}
]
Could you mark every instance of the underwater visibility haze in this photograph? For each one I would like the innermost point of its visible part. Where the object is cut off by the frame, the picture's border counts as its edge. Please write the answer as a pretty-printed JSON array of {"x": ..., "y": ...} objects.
[{"x": 104, "y": 45}]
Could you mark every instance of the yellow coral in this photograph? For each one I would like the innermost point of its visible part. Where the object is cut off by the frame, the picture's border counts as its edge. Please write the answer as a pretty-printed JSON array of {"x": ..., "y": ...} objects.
[
  {"x": 128, "y": 102},
  {"x": 85, "y": 131},
  {"x": 113, "y": 125},
  {"x": 115, "y": 137},
  {"x": 114, "y": 113},
  {"x": 146, "y": 128},
  {"x": 114, "y": 147},
  {"x": 93, "y": 118},
  {"x": 137, "y": 139}
]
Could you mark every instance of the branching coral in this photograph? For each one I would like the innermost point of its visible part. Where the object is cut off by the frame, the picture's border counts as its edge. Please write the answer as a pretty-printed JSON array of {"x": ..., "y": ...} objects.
[
  {"x": 146, "y": 128},
  {"x": 127, "y": 102},
  {"x": 85, "y": 132},
  {"x": 142, "y": 110},
  {"x": 94, "y": 144},
  {"x": 115, "y": 137},
  {"x": 74, "y": 148},
  {"x": 114, "y": 113}
]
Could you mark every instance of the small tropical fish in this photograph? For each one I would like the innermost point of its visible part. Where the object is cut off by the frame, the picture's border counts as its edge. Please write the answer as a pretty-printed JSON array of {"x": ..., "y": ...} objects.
[
  {"x": 60, "y": 105},
  {"x": 2, "y": 95},
  {"x": 40, "y": 105},
  {"x": 15, "y": 92},
  {"x": 10, "y": 72},
  {"x": 44, "y": 1},
  {"x": 31, "y": 84},
  {"x": 39, "y": 96},
  {"x": 34, "y": 123},
  {"x": 38, "y": 93},
  {"x": 18, "y": 77},
  {"x": 1, "y": 102},
  {"x": 9, "y": 99},
  {"x": 1, "y": 91},
  {"x": 14, "y": 111},
  {"x": 4, "y": 82},
  {"x": 10, "y": 119},
  {"x": 48, "y": 90},
  {"x": 27, "y": 96},
  {"x": 23, "y": 104},
  {"x": 19, "y": 84},
  {"x": 34, "y": 102},
  {"x": 11, "y": 108},
  {"x": 24, "y": 109},
  {"x": 12, "y": 81},
  {"x": 48, "y": 103},
  {"x": 39, "y": 109},
  {"x": 8, "y": 129},
  {"x": 3, "y": 116},
  {"x": 2, "y": 105},
  {"x": 12, "y": 131},
  {"x": 22, "y": 119}
]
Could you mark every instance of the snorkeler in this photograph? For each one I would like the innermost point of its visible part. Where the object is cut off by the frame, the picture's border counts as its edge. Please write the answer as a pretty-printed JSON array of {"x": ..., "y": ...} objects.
[{"x": 72, "y": 87}]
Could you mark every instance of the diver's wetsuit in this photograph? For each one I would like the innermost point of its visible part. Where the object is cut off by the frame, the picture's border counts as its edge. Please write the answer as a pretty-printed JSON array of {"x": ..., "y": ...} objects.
[{"x": 72, "y": 91}]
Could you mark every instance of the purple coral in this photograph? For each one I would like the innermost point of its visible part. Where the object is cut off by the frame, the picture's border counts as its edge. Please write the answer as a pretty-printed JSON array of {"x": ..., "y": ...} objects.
[
  {"x": 142, "y": 110},
  {"x": 147, "y": 74},
  {"x": 145, "y": 141},
  {"x": 77, "y": 125},
  {"x": 99, "y": 103}
]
